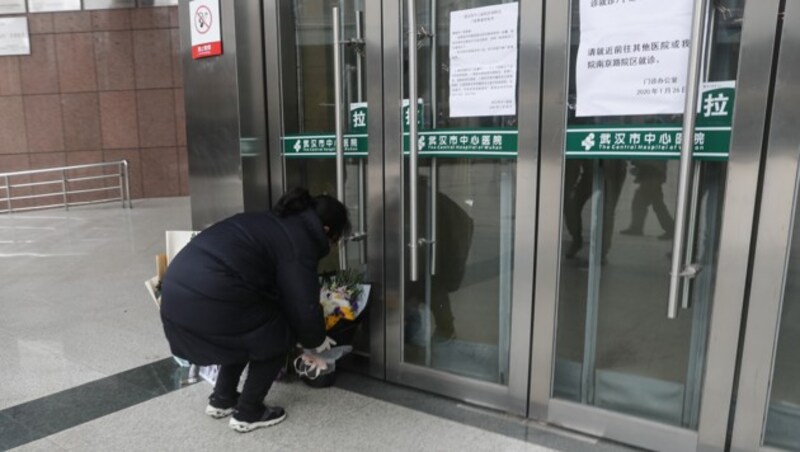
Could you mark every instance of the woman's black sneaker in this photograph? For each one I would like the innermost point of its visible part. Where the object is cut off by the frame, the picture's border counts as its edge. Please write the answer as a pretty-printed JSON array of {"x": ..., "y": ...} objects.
[
  {"x": 219, "y": 407},
  {"x": 272, "y": 415}
]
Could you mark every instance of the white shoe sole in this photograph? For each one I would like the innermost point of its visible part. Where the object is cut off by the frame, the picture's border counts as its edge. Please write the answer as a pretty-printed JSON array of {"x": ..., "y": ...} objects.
[
  {"x": 218, "y": 413},
  {"x": 244, "y": 427}
]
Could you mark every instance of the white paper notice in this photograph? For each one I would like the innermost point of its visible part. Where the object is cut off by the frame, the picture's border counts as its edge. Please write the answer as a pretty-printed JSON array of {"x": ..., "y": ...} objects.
[
  {"x": 483, "y": 61},
  {"x": 12, "y": 6},
  {"x": 633, "y": 57},
  {"x": 14, "y": 39},
  {"x": 44, "y": 6}
]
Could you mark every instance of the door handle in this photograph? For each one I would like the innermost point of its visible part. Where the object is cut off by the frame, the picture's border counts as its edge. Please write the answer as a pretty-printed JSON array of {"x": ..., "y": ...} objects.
[
  {"x": 434, "y": 62},
  {"x": 691, "y": 239},
  {"x": 413, "y": 135},
  {"x": 685, "y": 178},
  {"x": 357, "y": 236},
  {"x": 691, "y": 271},
  {"x": 362, "y": 201},
  {"x": 434, "y": 213},
  {"x": 338, "y": 103}
]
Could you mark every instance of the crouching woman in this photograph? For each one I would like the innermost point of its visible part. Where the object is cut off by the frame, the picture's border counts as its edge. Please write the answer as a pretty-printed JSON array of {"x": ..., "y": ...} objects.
[{"x": 245, "y": 291}]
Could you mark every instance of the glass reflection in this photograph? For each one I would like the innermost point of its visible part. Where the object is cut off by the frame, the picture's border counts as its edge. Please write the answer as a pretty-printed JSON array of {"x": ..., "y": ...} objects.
[
  {"x": 783, "y": 419},
  {"x": 616, "y": 348},
  {"x": 457, "y": 316}
]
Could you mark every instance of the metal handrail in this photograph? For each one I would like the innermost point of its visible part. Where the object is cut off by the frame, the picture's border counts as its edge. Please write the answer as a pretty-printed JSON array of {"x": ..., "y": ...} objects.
[{"x": 124, "y": 188}]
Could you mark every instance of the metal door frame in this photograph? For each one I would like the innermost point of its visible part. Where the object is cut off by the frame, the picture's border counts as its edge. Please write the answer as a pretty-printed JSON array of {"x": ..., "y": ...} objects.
[
  {"x": 773, "y": 246},
  {"x": 279, "y": 66},
  {"x": 513, "y": 397},
  {"x": 385, "y": 194},
  {"x": 750, "y": 113}
]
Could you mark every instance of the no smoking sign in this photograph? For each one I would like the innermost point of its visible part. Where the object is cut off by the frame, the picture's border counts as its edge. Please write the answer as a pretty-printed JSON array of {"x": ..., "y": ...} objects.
[
  {"x": 206, "y": 36},
  {"x": 203, "y": 20}
]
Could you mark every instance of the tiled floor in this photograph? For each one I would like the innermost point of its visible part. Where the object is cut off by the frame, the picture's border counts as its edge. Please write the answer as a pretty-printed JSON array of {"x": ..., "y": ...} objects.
[{"x": 84, "y": 365}]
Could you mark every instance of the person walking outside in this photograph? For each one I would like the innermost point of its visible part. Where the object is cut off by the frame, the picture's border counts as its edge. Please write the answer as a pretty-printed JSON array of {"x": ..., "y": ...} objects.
[
  {"x": 650, "y": 175},
  {"x": 244, "y": 292}
]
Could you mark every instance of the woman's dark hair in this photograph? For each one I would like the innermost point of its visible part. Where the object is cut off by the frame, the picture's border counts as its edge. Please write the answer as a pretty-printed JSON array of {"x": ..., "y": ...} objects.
[{"x": 330, "y": 211}]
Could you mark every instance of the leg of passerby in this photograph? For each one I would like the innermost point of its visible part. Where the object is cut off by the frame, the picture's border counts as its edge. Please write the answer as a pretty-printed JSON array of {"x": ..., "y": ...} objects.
[
  {"x": 251, "y": 413},
  {"x": 442, "y": 313},
  {"x": 638, "y": 211},
  {"x": 223, "y": 400},
  {"x": 581, "y": 191},
  {"x": 572, "y": 172},
  {"x": 662, "y": 213},
  {"x": 615, "y": 174}
]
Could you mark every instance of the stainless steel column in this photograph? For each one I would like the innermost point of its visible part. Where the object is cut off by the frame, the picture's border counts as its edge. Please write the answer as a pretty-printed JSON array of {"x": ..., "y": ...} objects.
[
  {"x": 548, "y": 171},
  {"x": 767, "y": 279},
  {"x": 212, "y": 123},
  {"x": 379, "y": 245}
]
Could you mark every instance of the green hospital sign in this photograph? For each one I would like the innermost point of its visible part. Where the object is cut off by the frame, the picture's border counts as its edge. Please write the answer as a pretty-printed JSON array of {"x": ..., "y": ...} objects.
[
  {"x": 489, "y": 143},
  {"x": 432, "y": 143},
  {"x": 323, "y": 145},
  {"x": 711, "y": 138},
  {"x": 625, "y": 141}
]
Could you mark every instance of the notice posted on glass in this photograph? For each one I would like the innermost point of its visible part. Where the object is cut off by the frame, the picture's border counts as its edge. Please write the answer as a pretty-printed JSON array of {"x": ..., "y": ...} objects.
[
  {"x": 14, "y": 37},
  {"x": 12, "y": 6},
  {"x": 633, "y": 57},
  {"x": 483, "y": 61},
  {"x": 44, "y": 6}
]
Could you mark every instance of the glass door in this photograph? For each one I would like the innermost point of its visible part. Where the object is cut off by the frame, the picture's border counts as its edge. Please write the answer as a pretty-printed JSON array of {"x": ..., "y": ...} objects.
[
  {"x": 768, "y": 398},
  {"x": 408, "y": 113},
  {"x": 456, "y": 318},
  {"x": 318, "y": 80},
  {"x": 325, "y": 113},
  {"x": 633, "y": 242}
]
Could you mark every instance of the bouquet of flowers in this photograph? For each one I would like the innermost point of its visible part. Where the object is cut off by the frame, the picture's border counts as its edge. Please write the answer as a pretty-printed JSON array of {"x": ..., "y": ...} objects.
[{"x": 342, "y": 296}]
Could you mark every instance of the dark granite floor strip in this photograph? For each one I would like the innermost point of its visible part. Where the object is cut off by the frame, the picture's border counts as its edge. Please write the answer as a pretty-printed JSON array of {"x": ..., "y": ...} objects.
[
  {"x": 496, "y": 422},
  {"x": 40, "y": 418},
  {"x": 53, "y": 413}
]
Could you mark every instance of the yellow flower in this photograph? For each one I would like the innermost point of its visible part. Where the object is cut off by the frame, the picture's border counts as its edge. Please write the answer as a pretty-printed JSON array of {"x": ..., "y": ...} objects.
[
  {"x": 347, "y": 313},
  {"x": 331, "y": 321}
]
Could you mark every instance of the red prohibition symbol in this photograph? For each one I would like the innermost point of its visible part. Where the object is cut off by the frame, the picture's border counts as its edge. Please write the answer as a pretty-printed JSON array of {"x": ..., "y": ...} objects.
[{"x": 203, "y": 19}]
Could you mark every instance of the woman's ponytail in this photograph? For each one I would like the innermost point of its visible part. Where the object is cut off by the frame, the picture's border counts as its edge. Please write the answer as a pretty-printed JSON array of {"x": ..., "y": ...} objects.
[{"x": 293, "y": 202}]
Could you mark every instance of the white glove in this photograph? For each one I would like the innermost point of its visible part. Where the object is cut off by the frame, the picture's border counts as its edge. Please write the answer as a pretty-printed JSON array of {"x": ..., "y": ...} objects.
[
  {"x": 326, "y": 345},
  {"x": 312, "y": 365}
]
